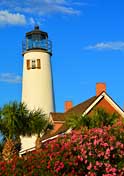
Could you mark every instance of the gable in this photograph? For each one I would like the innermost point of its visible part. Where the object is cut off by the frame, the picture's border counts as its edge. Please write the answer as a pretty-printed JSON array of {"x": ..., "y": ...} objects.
[{"x": 105, "y": 102}]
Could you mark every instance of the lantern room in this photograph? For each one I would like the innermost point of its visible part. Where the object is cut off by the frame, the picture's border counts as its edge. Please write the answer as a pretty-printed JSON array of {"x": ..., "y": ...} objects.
[{"x": 37, "y": 39}]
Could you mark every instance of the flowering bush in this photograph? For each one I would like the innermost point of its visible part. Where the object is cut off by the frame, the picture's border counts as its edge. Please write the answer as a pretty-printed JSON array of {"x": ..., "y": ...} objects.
[{"x": 93, "y": 152}]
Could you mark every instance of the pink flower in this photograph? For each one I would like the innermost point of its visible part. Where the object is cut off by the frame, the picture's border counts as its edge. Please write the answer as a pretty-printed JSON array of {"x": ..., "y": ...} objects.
[
  {"x": 80, "y": 158},
  {"x": 90, "y": 166},
  {"x": 111, "y": 147},
  {"x": 105, "y": 144},
  {"x": 95, "y": 142},
  {"x": 97, "y": 163},
  {"x": 85, "y": 162},
  {"x": 108, "y": 151},
  {"x": 95, "y": 167}
]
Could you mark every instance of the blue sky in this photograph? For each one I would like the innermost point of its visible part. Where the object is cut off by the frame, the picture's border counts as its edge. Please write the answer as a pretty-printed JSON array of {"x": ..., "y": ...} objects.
[{"x": 88, "y": 46}]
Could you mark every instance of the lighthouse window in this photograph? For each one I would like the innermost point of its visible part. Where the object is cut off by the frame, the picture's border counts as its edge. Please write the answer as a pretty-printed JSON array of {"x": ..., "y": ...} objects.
[{"x": 33, "y": 64}]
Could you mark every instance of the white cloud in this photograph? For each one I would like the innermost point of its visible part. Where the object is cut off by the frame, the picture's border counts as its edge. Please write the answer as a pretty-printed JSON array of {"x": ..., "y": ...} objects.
[
  {"x": 11, "y": 18},
  {"x": 117, "y": 45},
  {"x": 31, "y": 21},
  {"x": 29, "y": 12},
  {"x": 10, "y": 78},
  {"x": 41, "y": 7}
]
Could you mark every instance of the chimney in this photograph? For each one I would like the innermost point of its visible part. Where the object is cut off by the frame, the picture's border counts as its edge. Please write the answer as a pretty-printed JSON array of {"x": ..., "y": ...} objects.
[
  {"x": 68, "y": 105},
  {"x": 100, "y": 87}
]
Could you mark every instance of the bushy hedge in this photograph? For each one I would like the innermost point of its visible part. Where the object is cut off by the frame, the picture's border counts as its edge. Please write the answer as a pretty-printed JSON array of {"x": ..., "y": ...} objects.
[{"x": 93, "y": 152}]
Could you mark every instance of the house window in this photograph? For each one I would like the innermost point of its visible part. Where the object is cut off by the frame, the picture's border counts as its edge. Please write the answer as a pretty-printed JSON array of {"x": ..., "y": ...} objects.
[{"x": 38, "y": 64}]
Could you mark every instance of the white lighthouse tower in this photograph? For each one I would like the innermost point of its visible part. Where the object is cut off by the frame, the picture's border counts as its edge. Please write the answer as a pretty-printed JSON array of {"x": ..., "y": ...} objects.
[{"x": 37, "y": 88}]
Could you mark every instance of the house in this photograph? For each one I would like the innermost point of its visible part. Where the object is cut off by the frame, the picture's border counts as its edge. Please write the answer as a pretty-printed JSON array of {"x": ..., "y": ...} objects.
[{"x": 100, "y": 100}]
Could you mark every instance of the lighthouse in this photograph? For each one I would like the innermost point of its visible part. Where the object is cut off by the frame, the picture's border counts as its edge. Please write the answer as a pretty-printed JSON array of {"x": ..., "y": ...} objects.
[{"x": 37, "y": 86}]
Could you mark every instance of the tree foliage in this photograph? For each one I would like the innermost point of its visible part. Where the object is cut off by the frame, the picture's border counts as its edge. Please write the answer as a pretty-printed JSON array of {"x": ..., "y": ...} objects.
[
  {"x": 17, "y": 120},
  {"x": 98, "y": 118}
]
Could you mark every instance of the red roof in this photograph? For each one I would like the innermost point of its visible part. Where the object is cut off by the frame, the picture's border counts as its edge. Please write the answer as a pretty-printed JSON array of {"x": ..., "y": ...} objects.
[{"x": 61, "y": 117}]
